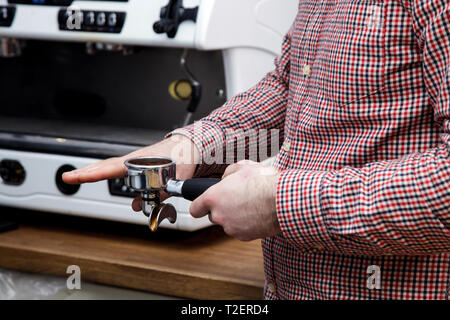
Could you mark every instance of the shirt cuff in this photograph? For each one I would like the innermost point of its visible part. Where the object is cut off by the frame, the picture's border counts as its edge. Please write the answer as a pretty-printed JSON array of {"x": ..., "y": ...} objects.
[
  {"x": 208, "y": 138},
  {"x": 299, "y": 210}
]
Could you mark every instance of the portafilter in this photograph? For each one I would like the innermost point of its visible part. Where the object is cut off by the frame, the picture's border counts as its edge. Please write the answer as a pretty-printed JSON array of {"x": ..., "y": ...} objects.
[{"x": 151, "y": 175}]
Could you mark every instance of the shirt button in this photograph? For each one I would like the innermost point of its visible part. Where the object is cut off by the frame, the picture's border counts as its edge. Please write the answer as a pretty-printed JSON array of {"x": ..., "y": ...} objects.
[
  {"x": 307, "y": 70},
  {"x": 319, "y": 247},
  {"x": 271, "y": 287},
  {"x": 286, "y": 146}
]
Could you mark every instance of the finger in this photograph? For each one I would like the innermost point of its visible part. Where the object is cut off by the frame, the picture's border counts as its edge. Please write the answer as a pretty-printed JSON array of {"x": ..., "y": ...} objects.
[
  {"x": 107, "y": 169},
  {"x": 231, "y": 169},
  {"x": 71, "y": 177},
  {"x": 236, "y": 167},
  {"x": 215, "y": 218},
  {"x": 201, "y": 206},
  {"x": 137, "y": 203},
  {"x": 163, "y": 196}
]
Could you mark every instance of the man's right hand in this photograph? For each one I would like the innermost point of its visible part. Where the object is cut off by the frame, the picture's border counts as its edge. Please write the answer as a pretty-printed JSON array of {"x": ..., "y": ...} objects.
[{"x": 180, "y": 148}]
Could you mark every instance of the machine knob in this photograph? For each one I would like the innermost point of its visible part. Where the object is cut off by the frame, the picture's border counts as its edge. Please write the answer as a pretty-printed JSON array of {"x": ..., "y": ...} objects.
[
  {"x": 165, "y": 26},
  {"x": 172, "y": 16},
  {"x": 12, "y": 172},
  {"x": 63, "y": 187}
]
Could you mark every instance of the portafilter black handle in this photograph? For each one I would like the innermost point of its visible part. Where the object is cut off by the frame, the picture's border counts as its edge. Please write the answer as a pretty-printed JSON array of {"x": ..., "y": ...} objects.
[{"x": 190, "y": 189}]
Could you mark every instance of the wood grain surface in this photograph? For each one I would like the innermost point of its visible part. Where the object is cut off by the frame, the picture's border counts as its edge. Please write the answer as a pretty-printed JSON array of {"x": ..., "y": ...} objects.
[{"x": 202, "y": 265}]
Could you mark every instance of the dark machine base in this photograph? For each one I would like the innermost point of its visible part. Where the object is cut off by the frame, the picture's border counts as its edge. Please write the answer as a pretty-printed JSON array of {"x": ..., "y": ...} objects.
[{"x": 7, "y": 225}]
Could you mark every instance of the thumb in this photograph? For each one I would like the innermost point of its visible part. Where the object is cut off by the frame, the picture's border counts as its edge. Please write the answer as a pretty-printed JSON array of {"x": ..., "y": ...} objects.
[{"x": 201, "y": 206}]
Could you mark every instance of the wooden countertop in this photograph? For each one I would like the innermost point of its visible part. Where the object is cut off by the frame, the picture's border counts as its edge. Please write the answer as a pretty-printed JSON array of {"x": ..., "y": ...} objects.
[{"x": 201, "y": 265}]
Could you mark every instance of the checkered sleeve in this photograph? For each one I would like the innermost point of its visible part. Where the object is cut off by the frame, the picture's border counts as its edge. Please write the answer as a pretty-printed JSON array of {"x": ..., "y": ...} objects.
[
  {"x": 261, "y": 107},
  {"x": 393, "y": 207}
]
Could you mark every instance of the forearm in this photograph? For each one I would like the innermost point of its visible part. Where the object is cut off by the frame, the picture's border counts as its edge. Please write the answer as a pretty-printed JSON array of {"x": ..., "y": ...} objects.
[
  {"x": 250, "y": 121},
  {"x": 392, "y": 207}
]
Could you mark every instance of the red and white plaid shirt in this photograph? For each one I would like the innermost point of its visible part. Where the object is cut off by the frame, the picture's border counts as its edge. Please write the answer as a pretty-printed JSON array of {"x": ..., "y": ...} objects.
[{"x": 361, "y": 94}]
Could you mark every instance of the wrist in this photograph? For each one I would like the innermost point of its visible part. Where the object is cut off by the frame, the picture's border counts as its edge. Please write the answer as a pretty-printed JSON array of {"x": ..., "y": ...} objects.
[
  {"x": 183, "y": 149},
  {"x": 271, "y": 184}
]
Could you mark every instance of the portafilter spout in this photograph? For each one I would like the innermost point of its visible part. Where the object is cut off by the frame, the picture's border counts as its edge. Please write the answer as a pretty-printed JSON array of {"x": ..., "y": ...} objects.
[{"x": 151, "y": 175}]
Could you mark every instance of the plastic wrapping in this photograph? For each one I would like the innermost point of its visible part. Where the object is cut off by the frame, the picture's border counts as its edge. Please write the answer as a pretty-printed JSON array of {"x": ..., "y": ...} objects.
[{"x": 15, "y": 285}]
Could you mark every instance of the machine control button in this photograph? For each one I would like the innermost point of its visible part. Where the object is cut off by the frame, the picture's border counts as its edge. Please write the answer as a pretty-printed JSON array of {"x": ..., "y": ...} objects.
[
  {"x": 90, "y": 18},
  {"x": 12, "y": 172},
  {"x": 43, "y": 2},
  {"x": 52, "y": 2},
  {"x": 7, "y": 14},
  {"x": 91, "y": 21},
  {"x": 67, "y": 189},
  {"x": 117, "y": 187},
  {"x": 112, "y": 19},
  {"x": 101, "y": 19}
]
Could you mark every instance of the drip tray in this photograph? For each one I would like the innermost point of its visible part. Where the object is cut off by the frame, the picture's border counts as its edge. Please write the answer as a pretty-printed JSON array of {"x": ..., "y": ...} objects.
[
  {"x": 73, "y": 138},
  {"x": 81, "y": 131}
]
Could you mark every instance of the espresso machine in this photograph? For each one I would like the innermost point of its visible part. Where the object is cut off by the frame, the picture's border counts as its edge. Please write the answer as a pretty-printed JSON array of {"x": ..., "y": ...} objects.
[{"x": 82, "y": 80}]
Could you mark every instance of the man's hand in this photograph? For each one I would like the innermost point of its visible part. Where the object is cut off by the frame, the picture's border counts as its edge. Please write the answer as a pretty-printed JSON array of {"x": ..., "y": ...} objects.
[
  {"x": 179, "y": 148},
  {"x": 244, "y": 203}
]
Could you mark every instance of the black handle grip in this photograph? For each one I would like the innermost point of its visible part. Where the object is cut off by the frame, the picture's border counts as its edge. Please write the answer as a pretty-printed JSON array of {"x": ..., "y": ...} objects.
[{"x": 192, "y": 189}]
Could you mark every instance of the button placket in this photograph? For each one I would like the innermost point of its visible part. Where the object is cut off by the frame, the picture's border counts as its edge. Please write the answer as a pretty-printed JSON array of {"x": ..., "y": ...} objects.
[{"x": 314, "y": 25}]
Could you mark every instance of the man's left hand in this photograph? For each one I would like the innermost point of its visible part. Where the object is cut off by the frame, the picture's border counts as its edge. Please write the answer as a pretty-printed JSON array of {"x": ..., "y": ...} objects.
[{"x": 243, "y": 203}]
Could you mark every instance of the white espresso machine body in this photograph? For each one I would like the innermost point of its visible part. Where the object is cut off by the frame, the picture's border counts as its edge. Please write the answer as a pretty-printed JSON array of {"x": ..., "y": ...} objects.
[{"x": 246, "y": 34}]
